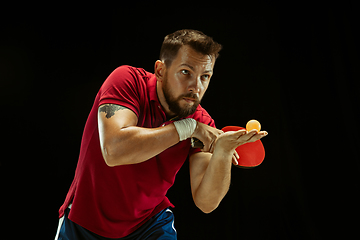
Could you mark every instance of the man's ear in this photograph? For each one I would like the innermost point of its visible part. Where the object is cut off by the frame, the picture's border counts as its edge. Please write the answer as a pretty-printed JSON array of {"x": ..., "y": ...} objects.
[{"x": 159, "y": 70}]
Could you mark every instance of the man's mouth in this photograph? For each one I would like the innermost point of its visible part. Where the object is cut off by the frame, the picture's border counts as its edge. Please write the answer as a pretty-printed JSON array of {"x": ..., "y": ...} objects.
[{"x": 190, "y": 100}]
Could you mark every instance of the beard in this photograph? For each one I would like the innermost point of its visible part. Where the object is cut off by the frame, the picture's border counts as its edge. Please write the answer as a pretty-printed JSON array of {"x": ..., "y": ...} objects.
[{"x": 174, "y": 103}]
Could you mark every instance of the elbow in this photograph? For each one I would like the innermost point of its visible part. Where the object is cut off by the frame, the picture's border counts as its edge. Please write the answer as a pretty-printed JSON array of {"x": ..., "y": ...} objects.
[
  {"x": 110, "y": 163},
  {"x": 206, "y": 204},
  {"x": 110, "y": 157},
  {"x": 107, "y": 158},
  {"x": 207, "y": 208}
]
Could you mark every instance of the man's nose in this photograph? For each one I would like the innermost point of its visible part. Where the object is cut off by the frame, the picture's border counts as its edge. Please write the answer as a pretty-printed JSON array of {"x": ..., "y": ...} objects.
[{"x": 195, "y": 86}]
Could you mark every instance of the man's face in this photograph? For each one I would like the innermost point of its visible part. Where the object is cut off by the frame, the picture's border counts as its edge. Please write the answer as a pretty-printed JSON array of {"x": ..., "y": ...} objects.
[{"x": 186, "y": 81}]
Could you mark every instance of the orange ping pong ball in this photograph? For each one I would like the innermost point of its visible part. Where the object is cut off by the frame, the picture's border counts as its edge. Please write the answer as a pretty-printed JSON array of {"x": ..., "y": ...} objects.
[{"x": 253, "y": 124}]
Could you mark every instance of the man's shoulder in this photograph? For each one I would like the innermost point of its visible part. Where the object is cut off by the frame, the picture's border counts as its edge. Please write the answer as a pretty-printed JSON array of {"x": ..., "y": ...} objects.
[
  {"x": 135, "y": 72},
  {"x": 127, "y": 77},
  {"x": 126, "y": 86}
]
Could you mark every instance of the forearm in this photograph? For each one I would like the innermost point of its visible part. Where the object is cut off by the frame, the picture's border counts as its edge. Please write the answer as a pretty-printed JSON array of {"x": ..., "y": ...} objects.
[
  {"x": 215, "y": 182},
  {"x": 132, "y": 145}
]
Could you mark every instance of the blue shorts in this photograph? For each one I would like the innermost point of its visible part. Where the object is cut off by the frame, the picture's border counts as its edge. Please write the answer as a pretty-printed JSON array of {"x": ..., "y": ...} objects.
[{"x": 160, "y": 226}]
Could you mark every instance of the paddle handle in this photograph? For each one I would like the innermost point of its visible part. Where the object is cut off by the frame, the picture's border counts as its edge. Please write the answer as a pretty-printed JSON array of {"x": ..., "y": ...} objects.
[{"x": 196, "y": 143}]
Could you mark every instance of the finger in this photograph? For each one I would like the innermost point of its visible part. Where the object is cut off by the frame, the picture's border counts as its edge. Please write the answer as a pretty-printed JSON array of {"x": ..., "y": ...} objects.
[
  {"x": 209, "y": 147},
  {"x": 206, "y": 148},
  {"x": 237, "y": 134},
  {"x": 246, "y": 137},
  {"x": 263, "y": 133},
  {"x": 211, "y": 150},
  {"x": 234, "y": 160},
  {"x": 257, "y": 136},
  {"x": 240, "y": 132},
  {"x": 212, "y": 139},
  {"x": 236, "y": 155},
  {"x": 252, "y": 132}
]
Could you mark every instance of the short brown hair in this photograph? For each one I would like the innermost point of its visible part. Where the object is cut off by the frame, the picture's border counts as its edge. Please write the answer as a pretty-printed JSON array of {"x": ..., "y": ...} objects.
[{"x": 195, "y": 39}]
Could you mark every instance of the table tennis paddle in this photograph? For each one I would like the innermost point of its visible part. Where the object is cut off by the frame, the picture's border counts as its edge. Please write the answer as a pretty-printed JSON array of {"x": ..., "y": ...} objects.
[{"x": 251, "y": 154}]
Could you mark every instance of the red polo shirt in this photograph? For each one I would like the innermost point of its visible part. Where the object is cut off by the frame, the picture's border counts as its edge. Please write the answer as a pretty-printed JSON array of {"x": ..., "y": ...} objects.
[{"x": 114, "y": 201}]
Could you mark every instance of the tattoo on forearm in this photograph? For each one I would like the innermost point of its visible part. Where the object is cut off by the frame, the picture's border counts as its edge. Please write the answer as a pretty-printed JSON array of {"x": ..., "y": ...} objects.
[{"x": 110, "y": 109}]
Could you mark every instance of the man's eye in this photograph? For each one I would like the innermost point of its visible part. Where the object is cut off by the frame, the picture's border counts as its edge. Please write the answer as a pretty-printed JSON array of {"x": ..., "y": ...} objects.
[
  {"x": 185, "y": 72},
  {"x": 205, "y": 77}
]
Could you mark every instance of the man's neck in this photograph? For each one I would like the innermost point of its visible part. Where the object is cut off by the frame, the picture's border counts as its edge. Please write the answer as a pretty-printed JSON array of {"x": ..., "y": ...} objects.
[{"x": 162, "y": 100}]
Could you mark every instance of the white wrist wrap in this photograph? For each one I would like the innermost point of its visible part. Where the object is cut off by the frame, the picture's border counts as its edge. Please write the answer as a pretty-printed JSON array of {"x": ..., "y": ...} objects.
[{"x": 185, "y": 128}]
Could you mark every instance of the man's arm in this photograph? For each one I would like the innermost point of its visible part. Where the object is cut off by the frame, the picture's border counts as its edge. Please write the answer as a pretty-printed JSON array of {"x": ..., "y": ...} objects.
[
  {"x": 122, "y": 142},
  {"x": 210, "y": 174}
]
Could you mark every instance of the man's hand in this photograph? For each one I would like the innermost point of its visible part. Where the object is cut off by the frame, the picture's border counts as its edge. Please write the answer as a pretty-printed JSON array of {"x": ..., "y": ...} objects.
[
  {"x": 229, "y": 141},
  {"x": 207, "y": 135}
]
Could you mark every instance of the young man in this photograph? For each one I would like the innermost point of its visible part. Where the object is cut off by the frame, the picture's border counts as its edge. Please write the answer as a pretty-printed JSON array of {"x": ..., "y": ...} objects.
[{"x": 137, "y": 137}]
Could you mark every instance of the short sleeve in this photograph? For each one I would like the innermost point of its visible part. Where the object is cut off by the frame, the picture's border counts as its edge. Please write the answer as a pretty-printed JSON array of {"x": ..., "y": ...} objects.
[{"x": 124, "y": 88}]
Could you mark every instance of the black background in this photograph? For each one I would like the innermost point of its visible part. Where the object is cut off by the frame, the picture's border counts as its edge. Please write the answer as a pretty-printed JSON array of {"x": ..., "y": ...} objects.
[{"x": 293, "y": 66}]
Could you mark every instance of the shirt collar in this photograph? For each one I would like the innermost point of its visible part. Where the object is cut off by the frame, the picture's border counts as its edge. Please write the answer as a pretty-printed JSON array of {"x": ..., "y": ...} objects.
[
  {"x": 154, "y": 99},
  {"x": 152, "y": 89}
]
